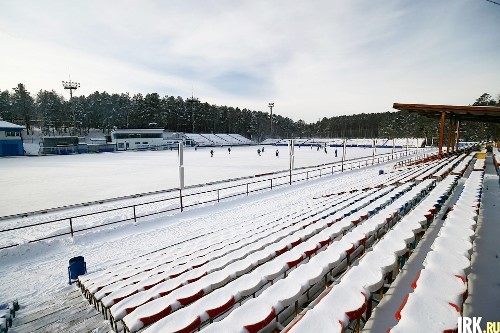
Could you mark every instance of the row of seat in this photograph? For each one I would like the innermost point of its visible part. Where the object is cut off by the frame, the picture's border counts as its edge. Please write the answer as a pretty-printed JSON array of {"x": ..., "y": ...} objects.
[
  {"x": 115, "y": 272},
  {"x": 228, "y": 254},
  {"x": 101, "y": 283},
  {"x": 230, "y": 265},
  {"x": 179, "y": 266},
  {"x": 464, "y": 163},
  {"x": 294, "y": 288},
  {"x": 443, "y": 172},
  {"x": 283, "y": 256},
  {"x": 425, "y": 170},
  {"x": 480, "y": 164},
  {"x": 96, "y": 281},
  {"x": 438, "y": 165},
  {"x": 440, "y": 288},
  {"x": 365, "y": 279}
]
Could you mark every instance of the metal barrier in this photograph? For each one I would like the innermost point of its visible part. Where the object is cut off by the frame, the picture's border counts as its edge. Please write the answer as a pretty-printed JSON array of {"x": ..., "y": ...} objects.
[{"x": 175, "y": 200}]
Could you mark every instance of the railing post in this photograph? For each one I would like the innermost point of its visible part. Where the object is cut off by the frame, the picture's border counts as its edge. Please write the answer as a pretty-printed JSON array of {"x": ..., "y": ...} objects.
[
  {"x": 247, "y": 189},
  {"x": 271, "y": 183},
  {"x": 332, "y": 169},
  {"x": 319, "y": 173},
  {"x": 180, "y": 198},
  {"x": 218, "y": 198},
  {"x": 307, "y": 175},
  {"x": 71, "y": 226},
  {"x": 135, "y": 216}
]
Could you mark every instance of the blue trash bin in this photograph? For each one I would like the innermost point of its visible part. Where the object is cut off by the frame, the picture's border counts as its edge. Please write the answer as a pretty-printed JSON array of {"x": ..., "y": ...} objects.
[{"x": 77, "y": 267}]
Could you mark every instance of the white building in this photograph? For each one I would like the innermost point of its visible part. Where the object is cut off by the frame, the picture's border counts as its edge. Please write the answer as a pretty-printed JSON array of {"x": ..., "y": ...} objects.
[{"x": 138, "y": 139}]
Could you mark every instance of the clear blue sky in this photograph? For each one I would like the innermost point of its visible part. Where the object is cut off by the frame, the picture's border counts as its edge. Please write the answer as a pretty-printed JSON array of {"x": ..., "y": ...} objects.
[{"x": 313, "y": 59}]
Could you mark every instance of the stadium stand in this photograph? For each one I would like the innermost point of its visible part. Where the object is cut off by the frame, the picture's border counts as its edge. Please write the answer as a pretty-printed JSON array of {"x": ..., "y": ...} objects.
[
  {"x": 212, "y": 140},
  {"x": 281, "y": 261}
]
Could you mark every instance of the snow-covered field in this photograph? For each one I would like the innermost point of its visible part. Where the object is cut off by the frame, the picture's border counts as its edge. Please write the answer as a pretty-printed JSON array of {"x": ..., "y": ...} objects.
[{"x": 35, "y": 183}]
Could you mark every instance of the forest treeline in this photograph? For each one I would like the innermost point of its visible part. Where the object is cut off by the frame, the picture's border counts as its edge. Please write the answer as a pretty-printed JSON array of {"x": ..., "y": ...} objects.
[{"x": 57, "y": 116}]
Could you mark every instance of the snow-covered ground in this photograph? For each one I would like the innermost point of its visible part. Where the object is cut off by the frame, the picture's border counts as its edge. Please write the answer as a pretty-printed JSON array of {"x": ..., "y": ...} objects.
[{"x": 35, "y": 183}]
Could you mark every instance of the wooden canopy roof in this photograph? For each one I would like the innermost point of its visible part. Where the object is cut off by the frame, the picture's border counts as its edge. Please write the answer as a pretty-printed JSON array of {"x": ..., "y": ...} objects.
[{"x": 471, "y": 113}]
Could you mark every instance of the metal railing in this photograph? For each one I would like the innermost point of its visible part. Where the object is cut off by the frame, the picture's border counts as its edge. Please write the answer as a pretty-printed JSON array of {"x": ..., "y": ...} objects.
[{"x": 178, "y": 200}]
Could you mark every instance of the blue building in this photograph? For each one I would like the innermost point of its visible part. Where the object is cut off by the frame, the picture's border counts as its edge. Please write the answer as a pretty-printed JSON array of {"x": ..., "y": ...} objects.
[{"x": 11, "y": 142}]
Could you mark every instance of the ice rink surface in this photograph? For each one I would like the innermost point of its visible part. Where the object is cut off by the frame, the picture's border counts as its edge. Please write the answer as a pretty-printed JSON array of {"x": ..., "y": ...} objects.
[{"x": 35, "y": 183}]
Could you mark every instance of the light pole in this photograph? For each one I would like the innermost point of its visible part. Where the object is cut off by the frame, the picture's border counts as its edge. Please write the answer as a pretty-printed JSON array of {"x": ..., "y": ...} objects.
[
  {"x": 192, "y": 101},
  {"x": 70, "y": 85},
  {"x": 271, "y": 105}
]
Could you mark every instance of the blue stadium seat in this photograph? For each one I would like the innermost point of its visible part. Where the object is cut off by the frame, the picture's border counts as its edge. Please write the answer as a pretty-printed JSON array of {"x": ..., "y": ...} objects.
[{"x": 77, "y": 267}]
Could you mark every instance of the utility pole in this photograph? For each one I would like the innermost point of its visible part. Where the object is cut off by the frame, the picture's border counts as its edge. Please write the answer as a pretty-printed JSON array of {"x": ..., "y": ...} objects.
[{"x": 271, "y": 105}]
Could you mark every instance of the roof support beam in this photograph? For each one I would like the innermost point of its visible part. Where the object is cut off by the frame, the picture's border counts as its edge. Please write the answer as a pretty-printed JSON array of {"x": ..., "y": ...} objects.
[{"x": 441, "y": 134}]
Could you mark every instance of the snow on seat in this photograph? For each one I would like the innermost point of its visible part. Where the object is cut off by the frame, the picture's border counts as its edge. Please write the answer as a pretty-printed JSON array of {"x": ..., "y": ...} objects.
[
  {"x": 454, "y": 263},
  {"x": 177, "y": 287},
  {"x": 421, "y": 312},
  {"x": 366, "y": 275},
  {"x": 284, "y": 293},
  {"x": 386, "y": 261},
  {"x": 161, "y": 307},
  {"x": 442, "y": 285},
  {"x": 345, "y": 302},
  {"x": 238, "y": 268},
  {"x": 310, "y": 273},
  {"x": 458, "y": 231},
  {"x": 445, "y": 244},
  {"x": 393, "y": 243},
  {"x": 194, "y": 263},
  {"x": 241, "y": 287}
]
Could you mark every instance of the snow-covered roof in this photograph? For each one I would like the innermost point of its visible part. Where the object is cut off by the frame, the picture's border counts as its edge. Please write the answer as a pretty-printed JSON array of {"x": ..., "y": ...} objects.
[
  {"x": 148, "y": 130},
  {"x": 6, "y": 124}
]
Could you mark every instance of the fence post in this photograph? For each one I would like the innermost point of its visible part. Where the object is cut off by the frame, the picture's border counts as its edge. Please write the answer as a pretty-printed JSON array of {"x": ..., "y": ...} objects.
[
  {"x": 135, "y": 216},
  {"x": 218, "y": 198},
  {"x": 319, "y": 173},
  {"x": 307, "y": 175},
  {"x": 71, "y": 226},
  {"x": 332, "y": 169},
  {"x": 247, "y": 189},
  {"x": 271, "y": 183},
  {"x": 180, "y": 198}
]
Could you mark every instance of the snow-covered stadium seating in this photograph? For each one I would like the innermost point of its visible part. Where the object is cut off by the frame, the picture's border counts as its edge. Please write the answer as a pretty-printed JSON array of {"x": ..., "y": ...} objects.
[
  {"x": 211, "y": 140},
  {"x": 270, "y": 264},
  {"x": 441, "y": 287}
]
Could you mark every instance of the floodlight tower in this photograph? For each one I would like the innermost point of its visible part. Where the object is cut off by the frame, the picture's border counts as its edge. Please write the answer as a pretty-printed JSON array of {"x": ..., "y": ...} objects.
[
  {"x": 271, "y": 105},
  {"x": 71, "y": 86}
]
